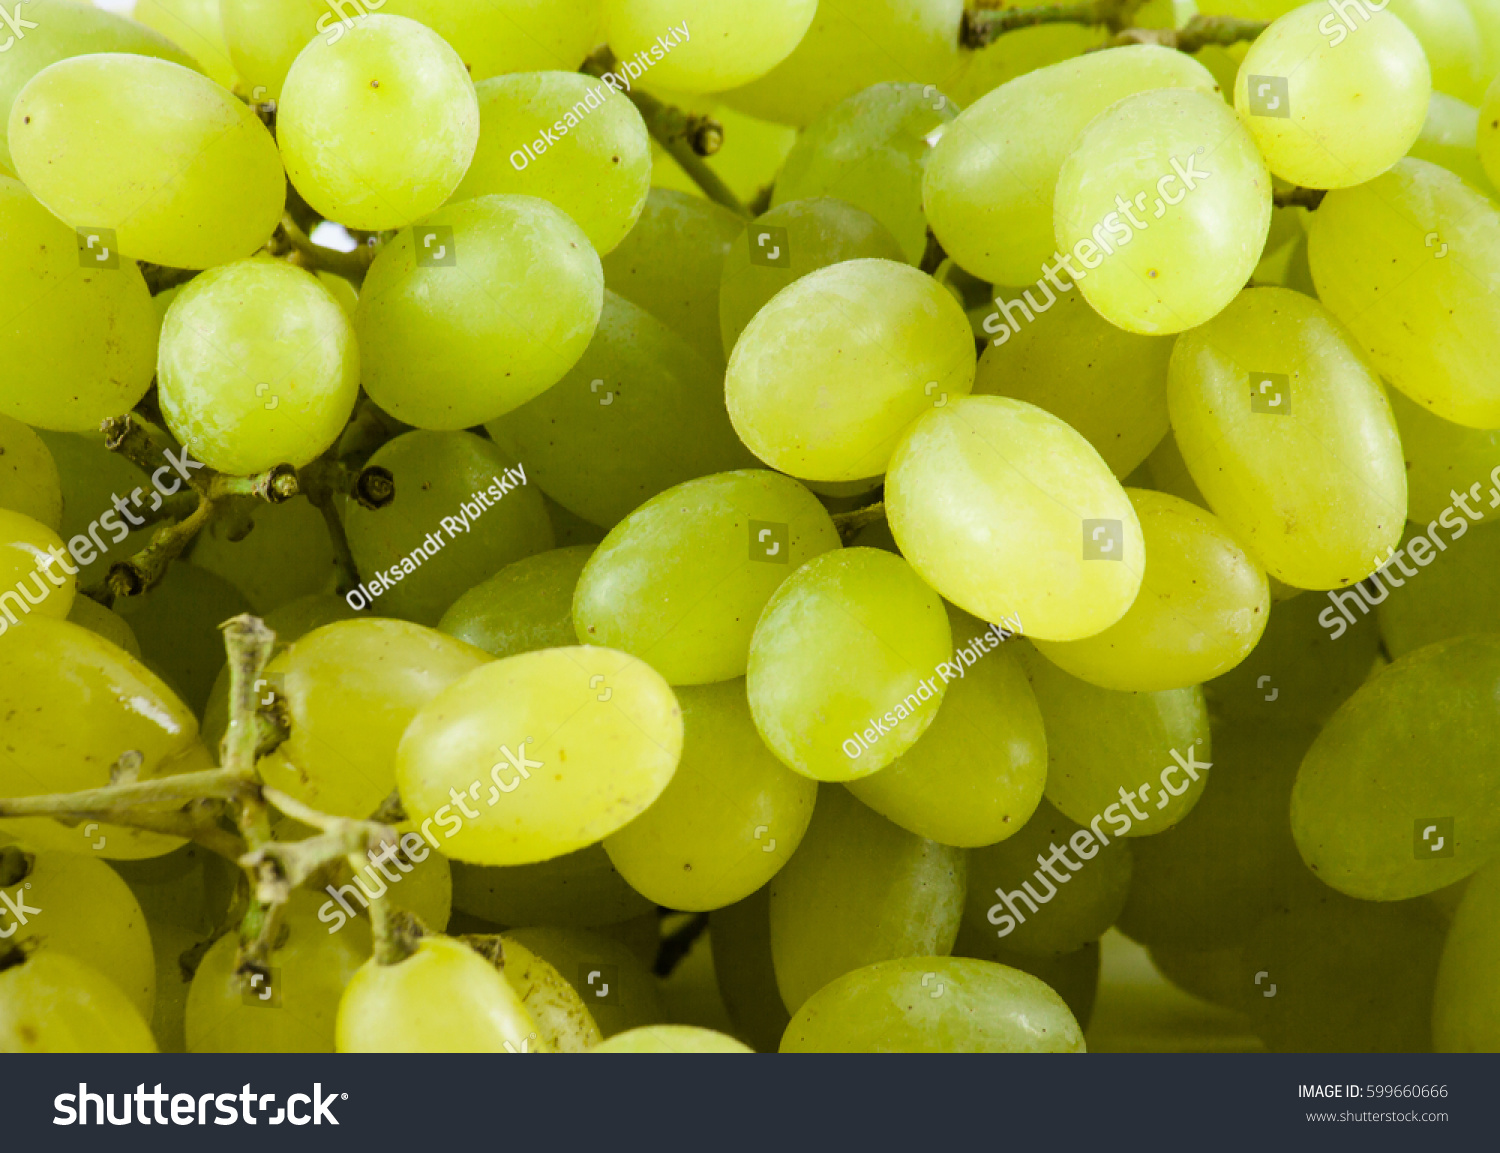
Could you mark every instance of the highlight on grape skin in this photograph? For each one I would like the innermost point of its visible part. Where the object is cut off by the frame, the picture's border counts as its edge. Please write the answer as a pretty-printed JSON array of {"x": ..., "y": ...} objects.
[{"x": 723, "y": 526}]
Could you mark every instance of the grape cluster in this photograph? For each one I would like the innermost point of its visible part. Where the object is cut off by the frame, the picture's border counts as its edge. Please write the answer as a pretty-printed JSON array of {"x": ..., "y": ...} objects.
[{"x": 801, "y": 525}]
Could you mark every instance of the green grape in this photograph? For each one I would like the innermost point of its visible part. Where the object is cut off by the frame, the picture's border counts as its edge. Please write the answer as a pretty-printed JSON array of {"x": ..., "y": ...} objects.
[
  {"x": 1409, "y": 263},
  {"x": 748, "y": 161},
  {"x": 74, "y": 705},
  {"x": 1448, "y": 138},
  {"x": 1189, "y": 266},
  {"x": 421, "y": 553},
  {"x": 827, "y": 375},
  {"x": 578, "y": 889},
  {"x": 849, "y": 651},
  {"x": 589, "y": 961},
  {"x": 1010, "y": 871},
  {"x": 977, "y": 774},
  {"x": 571, "y": 529},
  {"x": 52, "y": 1003},
  {"x": 569, "y": 140},
  {"x": 311, "y": 968},
  {"x": 988, "y": 188},
  {"x": 1346, "y": 112},
  {"x": 729, "y": 819},
  {"x": 1350, "y": 976},
  {"x": 1486, "y": 16},
  {"x": 691, "y": 990},
  {"x": 681, "y": 581},
  {"x": 351, "y": 689},
  {"x": 857, "y": 891},
  {"x": 1101, "y": 746},
  {"x": 1205, "y": 883},
  {"x": 524, "y": 607},
  {"x": 1455, "y": 598},
  {"x": 740, "y": 938},
  {"x": 1008, "y": 512},
  {"x": 195, "y": 25},
  {"x": 79, "y": 906},
  {"x": 377, "y": 126},
  {"x": 444, "y": 998},
  {"x": 818, "y": 233},
  {"x": 29, "y": 480},
  {"x": 725, "y": 47},
  {"x": 476, "y": 311},
  {"x": 1451, "y": 42},
  {"x": 850, "y": 45},
  {"x": 1166, "y": 471},
  {"x": 32, "y": 557},
  {"x": 1074, "y": 976},
  {"x": 80, "y": 345},
  {"x": 264, "y": 37},
  {"x": 934, "y": 1005},
  {"x": 414, "y": 877},
  {"x": 177, "y": 626},
  {"x": 1212, "y": 975},
  {"x": 1414, "y": 746},
  {"x": 1284, "y": 426},
  {"x": 869, "y": 151},
  {"x": 92, "y": 477},
  {"x": 287, "y": 556},
  {"x": 670, "y": 265},
  {"x": 90, "y": 614},
  {"x": 1202, "y": 607},
  {"x": 170, "y": 165},
  {"x": 169, "y": 1019},
  {"x": 563, "y": 1021},
  {"x": 63, "y": 29},
  {"x": 1466, "y": 1003},
  {"x": 1021, "y": 51},
  {"x": 483, "y": 735},
  {"x": 258, "y": 367},
  {"x": 643, "y": 412},
  {"x": 1488, "y": 140},
  {"x": 1109, "y": 384},
  {"x": 671, "y": 1039}
]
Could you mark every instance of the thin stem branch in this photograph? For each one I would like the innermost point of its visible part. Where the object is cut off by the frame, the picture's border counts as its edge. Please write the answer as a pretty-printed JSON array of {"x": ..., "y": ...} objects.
[
  {"x": 323, "y": 482},
  {"x": 1196, "y": 34},
  {"x": 352, "y": 266},
  {"x": 984, "y": 25},
  {"x": 850, "y": 523}
]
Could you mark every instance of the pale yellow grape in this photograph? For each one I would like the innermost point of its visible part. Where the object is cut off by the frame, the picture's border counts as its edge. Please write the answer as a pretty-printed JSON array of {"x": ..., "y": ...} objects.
[
  {"x": 476, "y": 311},
  {"x": 1488, "y": 140},
  {"x": 828, "y": 374},
  {"x": 184, "y": 173},
  {"x": 1021, "y": 51},
  {"x": 671, "y": 1039},
  {"x": 988, "y": 188},
  {"x": 1109, "y": 384},
  {"x": 847, "y": 650},
  {"x": 1466, "y": 1004},
  {"x": 90, "y": 614},
  {"x": 287, "y": 557},
  {"x": 1486, "y": 15},
  {"x": 1442, "y": 458},
  {"x": 1285, "y": 428},
  {"x": 1155, "y": 261},
  {"x": 1009, "y": 513},
  {"x": 1202, "y": 607},
  {"x": 934, "y": 1005},
  {"x": 378, "y": 126},
  {"x": 1410, "y": 262},
  {"x": 444, "y": 998},
  {"x": 977, "y": 774},
  {"x": 728, "y": 821},
  {"x": 92, "y": 477},
  {"x": 564, "y": 1023},
  {"x": 582, "y": 888},
  {"x": 257, "y": 367},
  {"x": 1450, "y": 38},
  {"x": 264, "y": 37},
  {"x": 681, "y": 581},
  {"x": 52, "y": 1003},
  {"x": 557, "y": 749},
  {"x": 1333, "y": 112},
  {"x": 526, "y": 606},
  {"x": 569, "y": 140},
  {"x": 29, "y": 481},
  {"x": 196, "y": 26},
  {"x": 1449, "y": 137},
  {"x": 77, "y": 345},
  {"x": 705, "y": 45},
  {"x": 34, "y": 574},
  {"x": 590, "y": 960}
]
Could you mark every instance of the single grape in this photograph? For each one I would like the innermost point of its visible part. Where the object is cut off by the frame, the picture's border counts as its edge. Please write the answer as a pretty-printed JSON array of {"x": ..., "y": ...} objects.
[
  {"x": 1284, "y": 426},
  {"x": 616, "y": 987},
  {"x": 377, "y": 126},
  {"x": 1449, "y": 138},
  {"x": 1074, "y": 976},
  {"x": 1487, "y": 142},
  {"x": 150, "y": 156},
  {"x": 828, "y": 374},
  {"x": 1025, "y": 50},
  {"x": 53, "y": 1003},
  {"x": 462, "y": 512},
  {"x": 1451, "y": 41},
  {"x": 681, "y": 581},
  {"x": 1486, "y": 16},
  {"x": 643, "y": 412},
  {"x": 1455, "y": 598},
  {"x": 976, "y": 775},
  {"x": 819, "y": 232},
  {"x": 511, "y": 35},
  {"x": 671, "y": 1039},
  {"x": 476, "y": 311},
  {"x": 82, "y": 344},
  {"x": 564, "y": 1023},
  {"x": 740, "y": 940},
  {"x": 33, "y": 572},
  {"x": 934, "y": 1005},
  {"x": 258, "y": 367},
  {"x": 1466, "y": 1003},
  {"x": 526, "y": 606},
  {"x": 578, "y": 889},
  {"x": 90, "y": 614},
  {"x": 1410, "y": 262},
  {"x": 727, "y": 45},
  {"x": 195, "y": 25},
  {"x": 288, "y": 555},
  {"x": 29, "y": 480},
  {"x": 569, "y": 140},
  {"x": 1012, "y": 515}
]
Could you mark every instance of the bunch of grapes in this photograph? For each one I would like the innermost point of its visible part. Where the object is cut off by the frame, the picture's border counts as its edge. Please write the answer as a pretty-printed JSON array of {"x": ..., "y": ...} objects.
[{"x": 712, "y": 525}]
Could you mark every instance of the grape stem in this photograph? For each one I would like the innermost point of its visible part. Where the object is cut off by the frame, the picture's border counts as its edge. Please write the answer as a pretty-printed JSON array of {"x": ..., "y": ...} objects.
[
  {"x": 1197, "y": 33},
  {"x": 850, "y": 523},
  {"x": 989, "y": 21},
  {"x": 677, "y": 945},
  {"x": 352, "y": 266},
  {"x": 322, "y": 481},
  {"x": 686, "y": 137},
  {"x": 1299, "y": 197}
]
